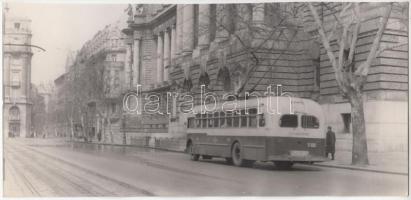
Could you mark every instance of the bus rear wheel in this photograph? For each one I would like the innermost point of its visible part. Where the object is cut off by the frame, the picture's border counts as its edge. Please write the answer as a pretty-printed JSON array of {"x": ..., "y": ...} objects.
[
  {"x": 283, "y": 165},
  {"x": 237, "y": 157},
  {"x": 193, "y": 156}
]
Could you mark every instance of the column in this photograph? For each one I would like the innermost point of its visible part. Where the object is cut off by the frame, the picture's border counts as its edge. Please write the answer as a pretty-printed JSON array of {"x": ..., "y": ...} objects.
[
  {"x": 204, "y": 23},
  {"x": 159, "y": 58},
  {"x": 136, "y": 62},
  {"x": 179, "y": 29},
  {"x": 173, "y": 43},
  {"x": 188, "y": 29},
  {"x": 166, "y": 56},
  {"x": 127, "y": 66},
  {"x": 258, "y": 13}
]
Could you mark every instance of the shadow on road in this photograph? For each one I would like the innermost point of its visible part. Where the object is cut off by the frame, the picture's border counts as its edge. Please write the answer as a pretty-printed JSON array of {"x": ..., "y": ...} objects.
[{"x": 267, "y": 166}]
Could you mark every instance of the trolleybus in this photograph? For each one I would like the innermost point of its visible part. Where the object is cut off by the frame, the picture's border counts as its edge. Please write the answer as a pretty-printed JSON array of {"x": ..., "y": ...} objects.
[{"x": 283, "y": 130}]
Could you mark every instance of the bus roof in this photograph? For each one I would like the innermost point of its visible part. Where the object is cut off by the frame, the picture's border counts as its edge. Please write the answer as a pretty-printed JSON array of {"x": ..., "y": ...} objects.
[{"x": 280, "y": 103}]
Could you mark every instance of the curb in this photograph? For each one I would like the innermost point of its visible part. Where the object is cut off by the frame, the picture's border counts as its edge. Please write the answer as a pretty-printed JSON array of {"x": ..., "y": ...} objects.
[
  {"x": 318, "y": 165},
  {"x": 360, "y": 169}
]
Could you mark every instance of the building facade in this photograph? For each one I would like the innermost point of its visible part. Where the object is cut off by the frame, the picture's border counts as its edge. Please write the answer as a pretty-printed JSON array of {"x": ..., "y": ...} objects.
[
  {"x": 237, "y": 48},
  {"x": 17, "y": 56},
  {"x": 93, "y": 84}
]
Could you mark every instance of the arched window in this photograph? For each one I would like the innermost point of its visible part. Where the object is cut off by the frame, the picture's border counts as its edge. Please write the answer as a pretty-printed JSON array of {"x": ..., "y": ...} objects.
[
  {"x": 14, "y": 113},
  {"x": 204, "y": 79}
]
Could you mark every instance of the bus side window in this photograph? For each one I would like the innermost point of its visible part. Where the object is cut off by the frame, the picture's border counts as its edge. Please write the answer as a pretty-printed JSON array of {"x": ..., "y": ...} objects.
[
  {"x": 289, "y": 120},
  {"x": 243, "y": 119},
  {"x": 261, "y": 120},
  {"x": 210, "y": 123},
  {"x": 203, "y": 120},
  {"x": 309, "y": 121},
  {"x": 216, "y": 119},
  {"x": 236, "y": 119},
  {"x": 252, "y": 118},
  {"x": 198, "y": 123},
  {"x": 222, "y": 120},
  {"x": 229, "y": 119},
  {"x": 190, "y": 123}
]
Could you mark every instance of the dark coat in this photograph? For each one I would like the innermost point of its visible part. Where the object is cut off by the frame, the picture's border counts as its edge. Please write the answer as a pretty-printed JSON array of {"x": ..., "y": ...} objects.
[{"x": 330, "y": 142}]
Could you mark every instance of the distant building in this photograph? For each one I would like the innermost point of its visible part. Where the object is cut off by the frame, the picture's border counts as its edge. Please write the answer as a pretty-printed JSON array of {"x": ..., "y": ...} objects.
[
  {"x": 17, "y": 56},
  {"x": 106, "y": 53}
]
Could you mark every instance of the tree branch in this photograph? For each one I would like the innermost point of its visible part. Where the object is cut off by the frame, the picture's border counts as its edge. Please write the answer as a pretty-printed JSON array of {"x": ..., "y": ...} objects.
[
  {"x": 326, "y": 44},
  {"x": 323, "y": 37},
  {"x": 355, "y": 32},
  {"x": 363, "y": 69},
  {"x": 390, "y": 47},
  {"x": 337, "y": 18}
]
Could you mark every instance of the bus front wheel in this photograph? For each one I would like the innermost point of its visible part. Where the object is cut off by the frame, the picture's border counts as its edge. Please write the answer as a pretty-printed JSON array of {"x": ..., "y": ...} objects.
[
  {"x": 193, "y": 156},
  {"x": 237, "y": 157}
]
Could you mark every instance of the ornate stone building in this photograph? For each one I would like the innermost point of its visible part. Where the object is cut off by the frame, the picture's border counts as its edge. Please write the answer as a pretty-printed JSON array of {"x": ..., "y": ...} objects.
[
  {"x": 102, "y": 59},
  {"x": 17, "y": 77},
  {"x": 237, "y": 48}
]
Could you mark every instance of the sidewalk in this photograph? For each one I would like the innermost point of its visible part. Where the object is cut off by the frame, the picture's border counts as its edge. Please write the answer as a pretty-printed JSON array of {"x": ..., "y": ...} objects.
[{"x": 384, "y": 162}]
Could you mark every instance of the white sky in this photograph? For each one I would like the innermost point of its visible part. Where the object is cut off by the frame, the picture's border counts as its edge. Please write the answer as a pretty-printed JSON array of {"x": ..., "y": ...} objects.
[{"x": 59, "y": 28}]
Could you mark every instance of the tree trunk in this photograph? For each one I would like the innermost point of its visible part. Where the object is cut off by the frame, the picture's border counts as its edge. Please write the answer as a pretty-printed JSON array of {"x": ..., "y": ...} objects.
[
  {"x": 359, "y": 148},
  {"x": 71, "y": 128},
  {"x": 109, "y": 129}
]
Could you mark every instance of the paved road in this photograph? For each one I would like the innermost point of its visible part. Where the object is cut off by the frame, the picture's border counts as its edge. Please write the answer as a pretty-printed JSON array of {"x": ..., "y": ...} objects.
[{"x": 97, "y": 170}]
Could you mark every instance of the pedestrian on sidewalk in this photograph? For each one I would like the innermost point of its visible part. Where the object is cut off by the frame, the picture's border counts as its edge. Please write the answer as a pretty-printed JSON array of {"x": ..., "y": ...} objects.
[{"x": 330, "y": 143}]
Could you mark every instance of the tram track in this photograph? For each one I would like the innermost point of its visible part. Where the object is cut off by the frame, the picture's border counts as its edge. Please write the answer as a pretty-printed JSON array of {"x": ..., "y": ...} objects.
[
  {"x": 81, "y": 185},
  {"x": 19, "y": 172},
  {"x": 55, "y": 171}
]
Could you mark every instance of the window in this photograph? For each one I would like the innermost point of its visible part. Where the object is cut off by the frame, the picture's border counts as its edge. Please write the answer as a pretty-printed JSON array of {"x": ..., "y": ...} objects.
[
  {"x": 229, "y": 119},
  {"x": 222, "y": 120},
  {"x": 243, "y": 119},
  {"x": 113, "y": 107},
  {"x": 191, "y": 123},
  {"x": 196, "y": 24},
  {"x": 236, "y": 119},
  {"x": 198, "y": 123},
  {"x": 261, "y": 120},
  {"x": 204, "y": 120},
  {"x": 289, "y": 121},
  {"x": 14, "y": 113},
  {"x": 232, "y": 10},
  {"x": 308, "y": 121},
  {"x": 17, "y": 26},
  {"x": 346, "y": 117},
  {"x": 15, "y": 78},
  {"x": 116, "y": 78},
  {"x": 252, "y": 118},
  {"x": 210, "y": 120},
  {"x": 114, "y": 57},
  {"x": 216, "y": 119},
  {"x": 213, "y": 21}
]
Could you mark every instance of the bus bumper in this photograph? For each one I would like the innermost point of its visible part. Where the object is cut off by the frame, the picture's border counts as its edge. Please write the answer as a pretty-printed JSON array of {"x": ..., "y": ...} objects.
[
  {"x": 297, "y": 158},
  {"x": 296, "y": 149}
]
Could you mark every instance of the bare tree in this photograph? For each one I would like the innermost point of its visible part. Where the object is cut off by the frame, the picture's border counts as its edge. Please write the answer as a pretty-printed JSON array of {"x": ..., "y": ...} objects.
[
  {"x": 279, "y": 29},
  {"x": 350, "y": 77}
]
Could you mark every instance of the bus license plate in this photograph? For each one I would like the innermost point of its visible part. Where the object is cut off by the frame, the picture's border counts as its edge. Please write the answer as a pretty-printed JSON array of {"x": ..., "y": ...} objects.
[{"x": 299, "y": 153}]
